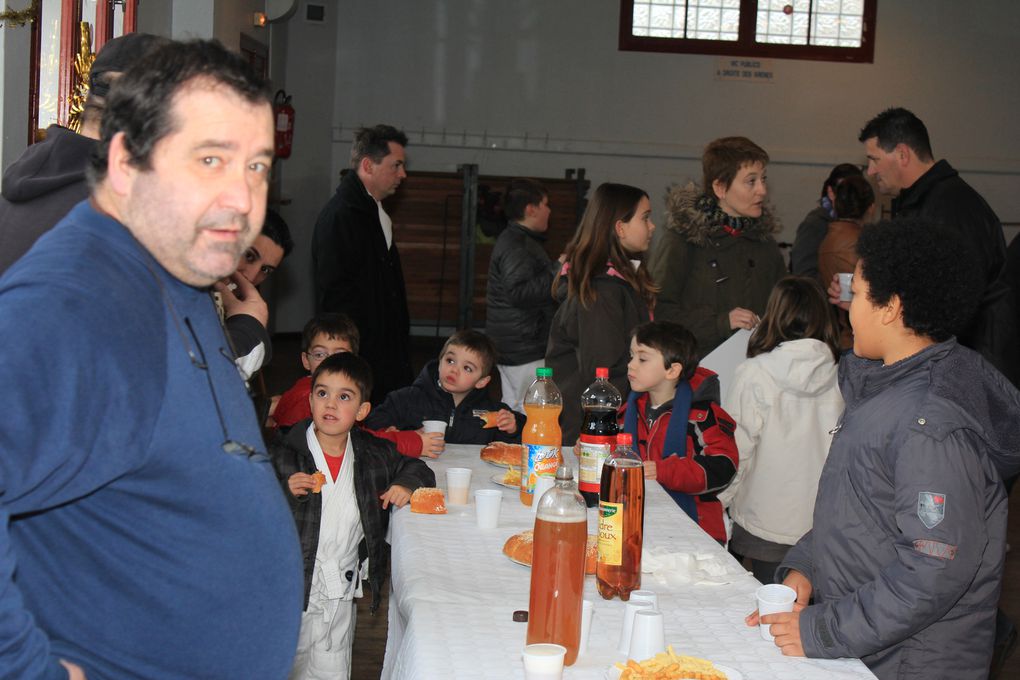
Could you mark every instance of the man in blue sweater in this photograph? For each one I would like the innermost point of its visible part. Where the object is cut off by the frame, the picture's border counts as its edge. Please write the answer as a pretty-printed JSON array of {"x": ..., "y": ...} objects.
[{"x": 142, "y": 531}]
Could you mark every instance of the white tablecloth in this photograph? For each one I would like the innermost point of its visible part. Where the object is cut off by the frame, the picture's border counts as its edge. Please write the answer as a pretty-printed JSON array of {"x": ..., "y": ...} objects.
[{"x": 453, "y": 593}]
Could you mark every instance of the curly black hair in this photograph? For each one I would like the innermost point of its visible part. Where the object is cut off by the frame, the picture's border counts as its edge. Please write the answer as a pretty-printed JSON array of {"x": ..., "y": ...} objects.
[{"x": 931, "y": 268}]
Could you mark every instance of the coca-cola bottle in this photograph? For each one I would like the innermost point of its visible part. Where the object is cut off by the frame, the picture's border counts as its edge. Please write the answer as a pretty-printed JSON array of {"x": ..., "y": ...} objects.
[
  {"x": 621, "y": 522},
  {"x": 601, "y": 402}
]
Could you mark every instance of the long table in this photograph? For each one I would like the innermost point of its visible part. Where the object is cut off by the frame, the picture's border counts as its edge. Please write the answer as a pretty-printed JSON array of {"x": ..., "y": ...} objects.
[{"x": 453, "y": 594}]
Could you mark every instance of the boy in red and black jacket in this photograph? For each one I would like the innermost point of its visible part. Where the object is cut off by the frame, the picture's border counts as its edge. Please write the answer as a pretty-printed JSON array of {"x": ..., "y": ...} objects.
[{"x": 694, "y": 458}]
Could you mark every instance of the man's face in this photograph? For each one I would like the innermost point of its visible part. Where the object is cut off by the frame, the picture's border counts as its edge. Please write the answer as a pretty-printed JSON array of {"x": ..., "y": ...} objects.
[
  {"x": 336, "y": 404},
  {"x": 460, "y": 370},
  {"x": 884, "y": 167},
  {"x": 203, "y": 202},
  {"x": 260, "y": 259},
  {"x": 540, "y": 215},
  {"x": 382, "y": 179}
]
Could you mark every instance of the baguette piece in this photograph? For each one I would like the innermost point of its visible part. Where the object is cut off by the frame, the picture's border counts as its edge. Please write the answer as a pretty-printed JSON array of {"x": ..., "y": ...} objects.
[
  {"x": 520, "y": 547},
  {"x": 502, "y": 453},
  {"x": 428, "y": 501}
]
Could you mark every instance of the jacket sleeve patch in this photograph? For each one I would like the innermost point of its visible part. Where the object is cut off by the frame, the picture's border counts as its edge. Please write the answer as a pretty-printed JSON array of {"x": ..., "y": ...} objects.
[
  {"x": 931, "y": 508},
  {"x": 938, "y": 549}
]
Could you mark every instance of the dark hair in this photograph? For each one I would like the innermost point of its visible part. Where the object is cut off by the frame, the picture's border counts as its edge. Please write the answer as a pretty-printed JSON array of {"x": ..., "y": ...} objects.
[
  {"x": 854, "y": 196},
  {"x": 723, "y": 158},
  {"x": 141, "y": 101},
  {"x": 595, "y": 243},
  {"x": 673, "y": 341},
  {"x": 374, "y": 143},
  {"x": 335, "y": 325},
  {"x": 277, "y": 231},
  {"x": 797, "y": 309},
  {"x": 931, "y": 268},
  {"x": 477, "y": 342},
  {"x": 898, "y": 126},
  {"x": 519, "y": 194},
  {"x": 838, "y": 174},
  {"x": 350, "y": 365}
]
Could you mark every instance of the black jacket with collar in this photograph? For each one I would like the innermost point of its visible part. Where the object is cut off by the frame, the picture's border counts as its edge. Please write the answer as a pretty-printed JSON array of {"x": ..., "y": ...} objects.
[
  {"x": 941, "y": 196},
  {"x": 377, "y": 466},
  {"x": 518, "y": 300},
  {"x": 407, "y": 407},
  {"x": 356, "y": 274}
]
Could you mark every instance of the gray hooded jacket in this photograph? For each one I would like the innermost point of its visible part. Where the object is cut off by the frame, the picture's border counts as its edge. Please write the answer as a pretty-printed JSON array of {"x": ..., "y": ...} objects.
[{"x": 908, "y": 543}]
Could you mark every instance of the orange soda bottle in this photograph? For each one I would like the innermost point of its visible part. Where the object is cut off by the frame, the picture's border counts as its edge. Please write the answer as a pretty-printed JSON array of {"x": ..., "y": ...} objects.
[
  {"x": 542, "y": 435},
  {"x": 557, "y": 566}
]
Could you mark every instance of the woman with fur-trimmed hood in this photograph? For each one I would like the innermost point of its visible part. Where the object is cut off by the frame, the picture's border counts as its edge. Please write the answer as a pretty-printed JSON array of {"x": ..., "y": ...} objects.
[{"x": 717, "y": 261}]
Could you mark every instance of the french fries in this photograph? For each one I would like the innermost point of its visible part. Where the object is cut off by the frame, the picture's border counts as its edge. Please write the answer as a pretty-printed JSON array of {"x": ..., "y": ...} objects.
[{"x": 669, "y": 666}]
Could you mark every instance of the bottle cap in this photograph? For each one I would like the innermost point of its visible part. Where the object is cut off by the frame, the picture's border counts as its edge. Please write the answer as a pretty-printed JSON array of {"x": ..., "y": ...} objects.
[
  {"x": 602, "y": 373},
  {"x": 624, "y": 439},
  {"x": 564, "y": 473},
  {"x": 543, "y": 372}
]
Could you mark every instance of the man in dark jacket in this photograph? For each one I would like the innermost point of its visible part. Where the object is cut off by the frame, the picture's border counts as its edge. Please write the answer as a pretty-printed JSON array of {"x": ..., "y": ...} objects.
[
  {"x": 905, "y": 556},
  {"x": 901, "y": 161},
  {"x": 355, "y": 263},
  {"x": 49, "y": 178},
  {"x": 519, "y": 301}
]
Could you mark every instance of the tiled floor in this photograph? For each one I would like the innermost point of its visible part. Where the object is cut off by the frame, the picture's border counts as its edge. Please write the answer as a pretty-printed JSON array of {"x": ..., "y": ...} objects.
[{"x": 370, "y": 636}]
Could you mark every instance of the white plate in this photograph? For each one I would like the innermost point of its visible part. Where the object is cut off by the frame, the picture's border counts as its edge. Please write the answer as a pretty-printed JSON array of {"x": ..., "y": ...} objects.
[
  {"x": 518, "y": 562},
  {"x": 499, "y": 465},
  {"x": 498, "y": 479},
  {"x": 613, "y": 673}
]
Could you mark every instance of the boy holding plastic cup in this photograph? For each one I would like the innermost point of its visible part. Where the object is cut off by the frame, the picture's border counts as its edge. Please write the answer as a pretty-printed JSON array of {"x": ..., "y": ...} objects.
[{"x": 904, "y": 560}]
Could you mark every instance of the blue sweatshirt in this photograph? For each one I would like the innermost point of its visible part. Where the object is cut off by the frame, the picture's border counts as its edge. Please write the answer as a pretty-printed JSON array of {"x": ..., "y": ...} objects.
[{"x": 137, "y": 546}]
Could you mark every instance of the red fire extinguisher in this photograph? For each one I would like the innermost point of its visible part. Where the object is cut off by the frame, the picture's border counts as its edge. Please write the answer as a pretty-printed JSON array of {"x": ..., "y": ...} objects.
[{"x": 283, "y": 112}]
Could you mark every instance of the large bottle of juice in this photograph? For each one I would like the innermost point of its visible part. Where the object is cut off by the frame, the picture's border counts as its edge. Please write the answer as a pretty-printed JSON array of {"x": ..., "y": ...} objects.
[
  {"x": 542, "y": 435},
  {"x": 557, "y": 566},
  {"x": 621, "y": 522},
  {"x": 601, "y": 403}
]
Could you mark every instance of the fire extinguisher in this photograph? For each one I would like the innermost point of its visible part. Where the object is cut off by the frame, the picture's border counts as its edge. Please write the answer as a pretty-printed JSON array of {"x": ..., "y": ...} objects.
[{"x": 283, "y": 112}]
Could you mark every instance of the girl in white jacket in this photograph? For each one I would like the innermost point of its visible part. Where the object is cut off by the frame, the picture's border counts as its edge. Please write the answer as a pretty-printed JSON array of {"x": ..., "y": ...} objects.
[{"x": 785, "y": 401}]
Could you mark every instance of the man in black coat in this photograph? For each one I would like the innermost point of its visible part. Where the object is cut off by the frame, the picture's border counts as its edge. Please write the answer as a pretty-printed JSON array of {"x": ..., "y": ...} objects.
[
  {"x": 518, "y": 299},
  {"x": 901, "y": 161},
  {"x": 355, "y": 263}
]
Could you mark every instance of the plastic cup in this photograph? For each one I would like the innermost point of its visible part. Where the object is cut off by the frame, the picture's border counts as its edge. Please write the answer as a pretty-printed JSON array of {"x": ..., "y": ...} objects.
[
  {"x": 434, "y": 426},
  {"x": 774, "y": 598},
  {"x": 845, "y": 294},
  {"x": 587, "y": 610},
  {"x": 628, "y": 624},
  {"x": 458, "y": 481},
  {"x": 648, "y": 637},
  {"x": 645, "y": 596},
  {"x": 543, "y": 661},
  {"x": 487, "y": 503},
  {"x": 542, "y": 484}
]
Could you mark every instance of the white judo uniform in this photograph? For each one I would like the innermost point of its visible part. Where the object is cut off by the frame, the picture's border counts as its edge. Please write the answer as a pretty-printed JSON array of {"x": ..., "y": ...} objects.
[{"x": 327, "y": 625}]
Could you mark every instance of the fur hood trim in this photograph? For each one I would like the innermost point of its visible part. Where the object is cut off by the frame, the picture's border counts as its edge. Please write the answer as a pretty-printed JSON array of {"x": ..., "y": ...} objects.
[{"x": 687, "y": 216}]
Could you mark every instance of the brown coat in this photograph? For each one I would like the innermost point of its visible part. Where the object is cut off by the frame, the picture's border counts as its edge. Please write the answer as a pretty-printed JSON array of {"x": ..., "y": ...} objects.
[{"x": 838, "y": 253}]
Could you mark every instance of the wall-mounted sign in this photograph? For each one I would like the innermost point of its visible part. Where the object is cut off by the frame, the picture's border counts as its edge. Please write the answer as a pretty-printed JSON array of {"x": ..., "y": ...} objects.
[{"x": 745, "y": 69}]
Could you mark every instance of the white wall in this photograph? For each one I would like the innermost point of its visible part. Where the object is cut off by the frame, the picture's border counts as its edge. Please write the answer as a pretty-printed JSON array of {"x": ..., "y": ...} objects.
[
  {"x": 531, "y": 87},
  {"x": 15, "y": 43}
]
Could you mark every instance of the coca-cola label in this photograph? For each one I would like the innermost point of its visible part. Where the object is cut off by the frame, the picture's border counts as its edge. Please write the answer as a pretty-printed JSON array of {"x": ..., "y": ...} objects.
[
  {"x": 611, "y": 533},
  {"x": 542, "y": 460},
  {"x": 592, "y": 453}
]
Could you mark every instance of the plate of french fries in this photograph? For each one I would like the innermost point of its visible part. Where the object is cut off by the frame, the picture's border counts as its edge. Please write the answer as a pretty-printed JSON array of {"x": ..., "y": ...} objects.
[{"x": 669, "y": 665}]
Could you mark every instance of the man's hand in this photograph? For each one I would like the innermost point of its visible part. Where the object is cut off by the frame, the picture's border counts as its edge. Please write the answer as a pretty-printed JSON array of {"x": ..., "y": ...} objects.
[
  {"x": 505, "y": 421},
  {"x": 743, "y": 318},
  {"x": 397, "y": 495},
  {"x": 244, "y": 299},
  {"x": 834, "y": 293},
  {"x": 432, "y": 443},
  {"x": 74, "y": 671},
  {"x": 651, "y": 471}
]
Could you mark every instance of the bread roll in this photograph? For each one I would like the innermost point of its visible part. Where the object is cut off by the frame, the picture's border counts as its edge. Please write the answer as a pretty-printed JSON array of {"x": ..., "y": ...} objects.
[
  {"x": 519, "y": 548},
  {"x": 318, "y": 479},
  {"x": 428, "y": 501},
  {"x": 502, "y": 453}
]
